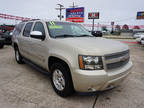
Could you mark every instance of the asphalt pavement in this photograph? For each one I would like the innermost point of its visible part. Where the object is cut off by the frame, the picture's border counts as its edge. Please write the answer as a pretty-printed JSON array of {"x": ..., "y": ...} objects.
[{"x": 21, "y": 86}]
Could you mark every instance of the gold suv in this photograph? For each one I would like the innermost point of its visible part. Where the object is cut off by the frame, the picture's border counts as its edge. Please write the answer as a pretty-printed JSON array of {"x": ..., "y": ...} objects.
[{"x": 77, "y": 60}]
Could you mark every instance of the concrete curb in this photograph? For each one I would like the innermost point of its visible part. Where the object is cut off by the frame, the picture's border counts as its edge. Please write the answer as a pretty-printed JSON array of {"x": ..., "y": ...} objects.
[{"x": 118, "y": 37}]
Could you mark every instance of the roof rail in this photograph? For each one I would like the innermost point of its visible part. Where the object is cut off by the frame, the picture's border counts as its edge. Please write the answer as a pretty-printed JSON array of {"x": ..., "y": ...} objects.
[{"x": 30, "y": 20}]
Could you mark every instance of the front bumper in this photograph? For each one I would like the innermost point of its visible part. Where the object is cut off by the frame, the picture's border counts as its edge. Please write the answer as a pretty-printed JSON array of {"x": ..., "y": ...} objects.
[{"x": 99, "y": 80}]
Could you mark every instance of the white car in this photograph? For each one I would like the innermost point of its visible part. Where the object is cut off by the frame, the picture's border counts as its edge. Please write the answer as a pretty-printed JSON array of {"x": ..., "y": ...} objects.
[
  {"x": 138, "y": 35},
  {"x": 139, "y": 39},
  {"x": 142, "y": 41}
]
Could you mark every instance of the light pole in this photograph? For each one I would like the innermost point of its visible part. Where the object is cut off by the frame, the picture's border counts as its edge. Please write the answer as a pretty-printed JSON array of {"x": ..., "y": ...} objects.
[
  {"x": 61, "y": 7},
  {"x": 74, "y": 6}
]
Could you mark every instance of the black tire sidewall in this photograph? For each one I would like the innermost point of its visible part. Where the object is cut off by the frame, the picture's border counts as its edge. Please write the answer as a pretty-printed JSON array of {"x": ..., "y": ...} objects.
[
  {"x": 1, "y": 45},
  {"x": 20, "y": 61},
  {"x": 68, "y": 90}
]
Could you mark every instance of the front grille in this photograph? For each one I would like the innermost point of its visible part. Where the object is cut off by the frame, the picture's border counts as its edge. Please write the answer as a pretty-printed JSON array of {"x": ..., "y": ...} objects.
[
  {"x": 117, "y": 64},
  {"x": 117, "y": 60}
]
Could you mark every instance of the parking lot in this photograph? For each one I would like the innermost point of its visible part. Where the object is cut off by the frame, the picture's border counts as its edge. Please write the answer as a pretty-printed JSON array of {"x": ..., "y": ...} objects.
[{"x": 21, "y": 86}]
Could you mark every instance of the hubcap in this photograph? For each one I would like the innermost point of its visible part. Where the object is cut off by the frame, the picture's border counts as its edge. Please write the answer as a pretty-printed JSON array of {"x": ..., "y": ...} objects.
[
  {"x": 17, "y": 55},
  {"x": 58, "y": 80}
]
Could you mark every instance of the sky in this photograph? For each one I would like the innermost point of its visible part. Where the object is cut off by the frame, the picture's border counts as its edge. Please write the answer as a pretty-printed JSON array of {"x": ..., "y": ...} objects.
[{"x": 119, "y": 11}]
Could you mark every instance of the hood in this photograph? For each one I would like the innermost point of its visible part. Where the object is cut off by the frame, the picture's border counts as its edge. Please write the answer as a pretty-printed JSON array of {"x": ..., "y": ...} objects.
[{"x": 94, "y": 45}]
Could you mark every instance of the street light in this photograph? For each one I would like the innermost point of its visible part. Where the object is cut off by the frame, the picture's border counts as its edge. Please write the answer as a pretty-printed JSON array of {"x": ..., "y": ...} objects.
[{"x": 61, "y": 7}]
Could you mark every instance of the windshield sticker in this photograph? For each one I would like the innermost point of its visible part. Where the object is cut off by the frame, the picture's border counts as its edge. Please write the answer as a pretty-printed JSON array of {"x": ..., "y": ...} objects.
[
  {"x": 52, "y": 23},
  {"x": 55, "y": 27}
]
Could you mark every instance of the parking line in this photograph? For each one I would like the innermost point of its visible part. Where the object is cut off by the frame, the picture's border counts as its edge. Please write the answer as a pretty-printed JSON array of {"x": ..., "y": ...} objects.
[{"x": 97, "y": 95}]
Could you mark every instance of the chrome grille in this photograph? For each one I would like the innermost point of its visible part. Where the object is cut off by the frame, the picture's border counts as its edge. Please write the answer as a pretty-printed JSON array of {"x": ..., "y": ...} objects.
[{"x": 117, "y": 60}]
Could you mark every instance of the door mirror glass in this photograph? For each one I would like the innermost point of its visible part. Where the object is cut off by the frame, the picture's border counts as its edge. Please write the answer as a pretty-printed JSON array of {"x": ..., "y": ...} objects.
[
  {"x": 37, "y": 35},
  {"x": 11, "y": 33}
]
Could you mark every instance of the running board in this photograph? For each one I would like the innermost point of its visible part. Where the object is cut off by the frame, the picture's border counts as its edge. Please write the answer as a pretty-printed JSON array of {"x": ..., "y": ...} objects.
[{"x": 44, "y": 71}]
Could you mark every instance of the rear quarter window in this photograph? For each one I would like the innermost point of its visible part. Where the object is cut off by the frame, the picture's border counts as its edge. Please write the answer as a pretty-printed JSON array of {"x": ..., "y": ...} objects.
[{"x": 27, "y": 29}]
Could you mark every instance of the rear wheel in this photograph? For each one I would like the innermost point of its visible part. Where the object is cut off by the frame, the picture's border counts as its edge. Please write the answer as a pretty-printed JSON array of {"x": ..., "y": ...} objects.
[
  {"x": 61, "y": 79},
  {"x": 1, "y": 45},
  {"x": 18, "y": 56}
]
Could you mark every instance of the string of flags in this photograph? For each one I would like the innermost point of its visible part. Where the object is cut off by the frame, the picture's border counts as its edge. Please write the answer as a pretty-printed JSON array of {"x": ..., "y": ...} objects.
[{"x": 12, "y": 17}]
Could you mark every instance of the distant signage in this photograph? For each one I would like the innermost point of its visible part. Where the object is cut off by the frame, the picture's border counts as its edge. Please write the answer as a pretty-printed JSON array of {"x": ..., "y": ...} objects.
[
  {"x": 93, "y": 15},
  {"x": 75, "y": 14},
  {"x": 112, "y": 23},
  {"x": 140, "y": 15}
]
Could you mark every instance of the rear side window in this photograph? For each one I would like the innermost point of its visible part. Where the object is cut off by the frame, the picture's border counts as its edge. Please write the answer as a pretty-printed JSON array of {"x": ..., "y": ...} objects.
[
  {"x": 27, "y": 29},
  {"x": 18, "y": 29},
  {"x": 39, "y": 27}
]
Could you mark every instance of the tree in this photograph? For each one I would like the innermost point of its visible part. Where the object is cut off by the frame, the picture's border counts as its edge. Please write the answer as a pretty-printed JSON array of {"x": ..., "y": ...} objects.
[
  {"x": 117, "y": 28},
  {"x": 136, "y": 27},
  {"x": 104, "y": 28},
  {"x": 125, "y": 27}
]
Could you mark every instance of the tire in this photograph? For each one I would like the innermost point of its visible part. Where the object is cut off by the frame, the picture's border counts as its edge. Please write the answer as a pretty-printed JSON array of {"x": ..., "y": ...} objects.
[
  {"x": 18, "y": 56},
  {"x": 1, "y": 45},
  {"x": 66, "y": 82}
]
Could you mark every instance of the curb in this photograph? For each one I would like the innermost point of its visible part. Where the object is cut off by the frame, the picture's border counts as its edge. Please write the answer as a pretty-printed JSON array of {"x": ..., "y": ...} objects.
[{"x": 118, "y": 37}]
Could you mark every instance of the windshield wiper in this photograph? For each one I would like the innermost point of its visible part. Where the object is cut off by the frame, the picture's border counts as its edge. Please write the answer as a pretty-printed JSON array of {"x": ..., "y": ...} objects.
[{"x": 64, "y": 35}]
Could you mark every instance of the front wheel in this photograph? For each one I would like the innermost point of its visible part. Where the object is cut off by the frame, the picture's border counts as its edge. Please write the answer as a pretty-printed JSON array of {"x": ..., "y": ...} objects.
[
  {"x": 61, "y": 79},
  {"x": 1, "y": 45},
  {"x": 18, "y": 56}
]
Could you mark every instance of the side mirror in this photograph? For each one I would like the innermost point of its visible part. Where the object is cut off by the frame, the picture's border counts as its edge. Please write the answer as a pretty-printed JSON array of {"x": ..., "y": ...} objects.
[
  {"x": 37, "y": 35},
  {"x": 11, "y": 33}
]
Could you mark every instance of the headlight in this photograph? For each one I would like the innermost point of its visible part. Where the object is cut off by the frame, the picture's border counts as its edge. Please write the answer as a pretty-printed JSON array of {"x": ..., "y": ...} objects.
[{"x": 90, "y": 62}]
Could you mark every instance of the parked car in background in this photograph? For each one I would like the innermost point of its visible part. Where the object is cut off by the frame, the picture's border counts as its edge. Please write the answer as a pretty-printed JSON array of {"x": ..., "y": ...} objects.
[
  {"x": 5, "y": 38},
  {"x": 138, "y": 35},
  {"x": 97, "y": 33},
  {"x": 139, "y": 38},
  {"x": 142, "y": 41},
  {"x": 106, "y": 32},
  {"x": 1, "y": 41}
]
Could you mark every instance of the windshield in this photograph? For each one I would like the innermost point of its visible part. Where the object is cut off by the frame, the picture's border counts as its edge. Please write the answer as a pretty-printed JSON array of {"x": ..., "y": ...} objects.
[{"x": 66, "y": 29}]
